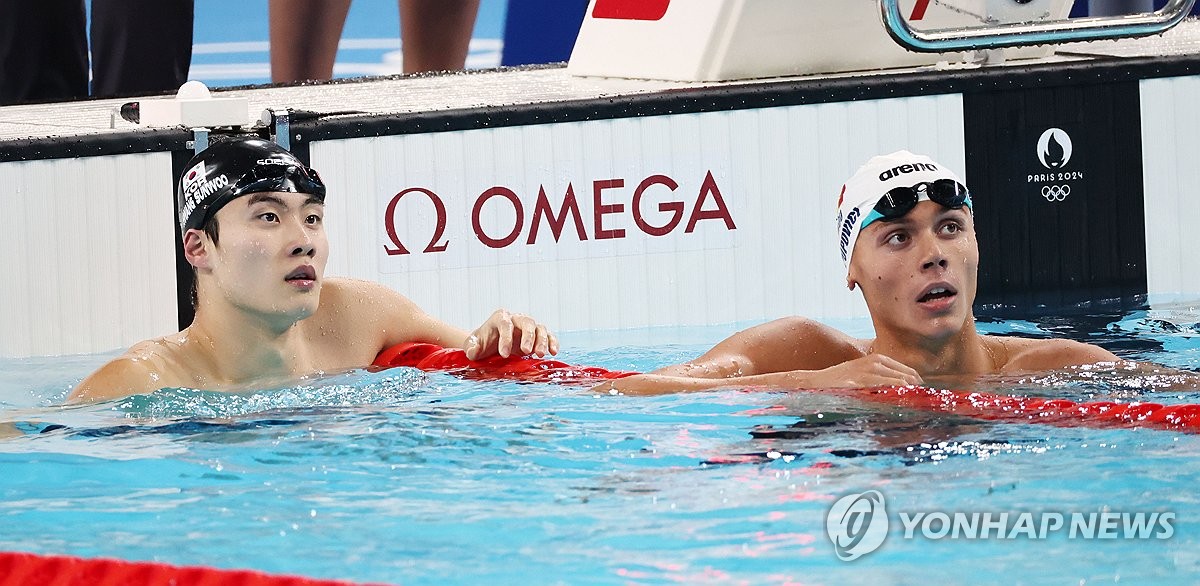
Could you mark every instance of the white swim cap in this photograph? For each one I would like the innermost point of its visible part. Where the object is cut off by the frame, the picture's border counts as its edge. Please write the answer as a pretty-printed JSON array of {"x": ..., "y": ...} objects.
[{"x": 904, "y": 179}]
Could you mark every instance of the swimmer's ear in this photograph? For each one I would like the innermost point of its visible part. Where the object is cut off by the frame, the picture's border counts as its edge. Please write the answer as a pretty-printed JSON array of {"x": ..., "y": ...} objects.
[{"x": 194, "y": 249}]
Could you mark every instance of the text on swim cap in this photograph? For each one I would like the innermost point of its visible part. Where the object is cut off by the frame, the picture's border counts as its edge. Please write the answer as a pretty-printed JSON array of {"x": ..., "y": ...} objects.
[
  {"x": 847, "y": 227},
  {"x": 906, "y": 168},
  {"x": 197, "y": 186}
]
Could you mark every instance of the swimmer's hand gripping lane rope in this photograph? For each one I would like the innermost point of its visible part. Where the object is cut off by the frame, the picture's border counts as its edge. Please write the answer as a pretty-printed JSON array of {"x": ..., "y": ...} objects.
[
  {"x": 989, "y": 406},
  {"x": 436, "y": 358}
]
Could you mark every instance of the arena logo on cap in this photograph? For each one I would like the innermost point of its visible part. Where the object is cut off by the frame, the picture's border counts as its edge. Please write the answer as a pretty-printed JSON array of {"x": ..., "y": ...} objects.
[{"x": 899, "y": 170}]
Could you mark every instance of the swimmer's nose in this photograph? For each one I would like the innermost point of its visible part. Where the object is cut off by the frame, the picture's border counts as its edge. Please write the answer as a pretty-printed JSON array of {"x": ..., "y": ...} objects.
[
  {"x": 303, "y": 245},
  {"x": 934, "y": 255},
  {"x": 940, "y": 262}
]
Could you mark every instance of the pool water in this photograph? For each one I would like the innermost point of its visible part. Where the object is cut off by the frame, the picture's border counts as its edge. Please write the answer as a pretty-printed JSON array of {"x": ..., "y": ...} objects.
[{"x": 406, "y": 477}]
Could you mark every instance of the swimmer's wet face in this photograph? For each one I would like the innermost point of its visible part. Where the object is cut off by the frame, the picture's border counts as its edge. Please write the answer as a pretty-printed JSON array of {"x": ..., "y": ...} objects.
[
  {"x": 918, "y": 273},
  {"x": 228, "y": 172},
  {"x": 272, "y": 255},
  {"x": 907, "y": 238}
]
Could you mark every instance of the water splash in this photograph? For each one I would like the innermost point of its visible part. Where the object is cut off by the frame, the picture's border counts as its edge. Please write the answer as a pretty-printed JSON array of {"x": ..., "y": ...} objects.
[{"x": 351, "y": 389}]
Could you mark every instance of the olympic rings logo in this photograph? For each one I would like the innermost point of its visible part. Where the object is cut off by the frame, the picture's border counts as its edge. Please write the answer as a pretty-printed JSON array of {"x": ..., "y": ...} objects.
[{"x": 1056, "y": 192}]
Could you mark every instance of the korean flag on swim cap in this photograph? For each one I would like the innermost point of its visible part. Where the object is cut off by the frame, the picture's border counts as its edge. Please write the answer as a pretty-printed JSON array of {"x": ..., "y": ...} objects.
[
  {"x": 863, "y": 191},
  {"x": 233, "y": 168}
]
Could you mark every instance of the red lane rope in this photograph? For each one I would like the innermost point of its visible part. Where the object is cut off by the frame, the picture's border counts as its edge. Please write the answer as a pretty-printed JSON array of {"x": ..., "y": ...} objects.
[
  {"x": 1052, "y": 411},
  {"x": 989, "y": 406},
  {"x": 27, "y": 569},
  {"x": 436, "y": 358}
]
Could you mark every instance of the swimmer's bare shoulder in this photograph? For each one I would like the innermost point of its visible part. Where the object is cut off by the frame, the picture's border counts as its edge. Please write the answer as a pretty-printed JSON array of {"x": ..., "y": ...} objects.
[
  {"x": 1016, "y": 355},
  {"x": 352, "y": 303},
  {"x": 147, "y": 367},
  {"x": 376, "y": 316}
]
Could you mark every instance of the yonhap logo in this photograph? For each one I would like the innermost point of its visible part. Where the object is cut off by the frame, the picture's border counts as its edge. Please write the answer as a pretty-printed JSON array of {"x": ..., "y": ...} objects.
[{"x": 857, "y": 524}]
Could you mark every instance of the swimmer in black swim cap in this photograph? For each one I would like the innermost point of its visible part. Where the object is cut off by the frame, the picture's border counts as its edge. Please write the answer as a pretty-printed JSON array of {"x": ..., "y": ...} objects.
[
  {"x": 228, "y": 170},
  {"x": 264, "y": 310}
]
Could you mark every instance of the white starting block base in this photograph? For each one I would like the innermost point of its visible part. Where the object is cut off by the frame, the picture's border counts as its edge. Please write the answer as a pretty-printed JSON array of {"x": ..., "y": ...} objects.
[{"x": 718, "y": 40}]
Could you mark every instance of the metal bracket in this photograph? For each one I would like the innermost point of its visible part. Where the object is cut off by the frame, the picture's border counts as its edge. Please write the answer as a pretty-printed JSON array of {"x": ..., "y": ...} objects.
[
  {"x": 199, "y": 140},
  {"x": 280, "y": 122},
  {"x": 1031, "y": 33}
]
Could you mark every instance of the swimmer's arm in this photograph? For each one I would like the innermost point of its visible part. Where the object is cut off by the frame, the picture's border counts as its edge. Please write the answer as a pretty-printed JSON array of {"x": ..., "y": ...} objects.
[
  {"x": 422, "y": 327},
  {"x": 872, "y": 370},
  {"x": 788, "y": 353},
  {"x": 365, "y": 306},
  {"x": 401, "y": 320},
  {"x": 734, "y": 362},
  {"x": 122, "y": 377},
  {"x": 782, "y": 345},
  {"x": 661, "y": 384}
]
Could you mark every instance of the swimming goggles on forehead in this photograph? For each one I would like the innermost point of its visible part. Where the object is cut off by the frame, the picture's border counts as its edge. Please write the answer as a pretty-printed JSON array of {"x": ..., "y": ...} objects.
[
  {"x": 898, "y": 201},
  {"x": 280, "y": 176}
]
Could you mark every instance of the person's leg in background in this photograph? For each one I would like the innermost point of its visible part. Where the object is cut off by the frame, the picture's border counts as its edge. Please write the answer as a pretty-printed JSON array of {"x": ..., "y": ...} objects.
[
  {"x": 436, "y": 34},
  {"x": 140, "y": 46},
  {"x": 304, "y": 37},
  {"x": 43, "y": 51}
]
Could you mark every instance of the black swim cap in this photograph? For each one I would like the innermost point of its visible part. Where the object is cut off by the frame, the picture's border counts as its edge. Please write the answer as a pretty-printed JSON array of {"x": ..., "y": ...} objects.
[{"x": 228, "y": 170}]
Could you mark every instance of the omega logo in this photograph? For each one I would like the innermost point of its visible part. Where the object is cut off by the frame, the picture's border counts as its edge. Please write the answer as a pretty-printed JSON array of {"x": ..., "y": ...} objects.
[{"x": 548, "y": 220}]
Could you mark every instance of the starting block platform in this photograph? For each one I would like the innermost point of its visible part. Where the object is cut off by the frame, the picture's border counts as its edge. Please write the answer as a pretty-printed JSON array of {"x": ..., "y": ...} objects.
[{"x": 718, "y": 40}]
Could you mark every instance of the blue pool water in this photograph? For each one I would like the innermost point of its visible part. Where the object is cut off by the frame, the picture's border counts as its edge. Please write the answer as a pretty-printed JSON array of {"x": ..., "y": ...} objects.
[{"x": 405, "y": 477}]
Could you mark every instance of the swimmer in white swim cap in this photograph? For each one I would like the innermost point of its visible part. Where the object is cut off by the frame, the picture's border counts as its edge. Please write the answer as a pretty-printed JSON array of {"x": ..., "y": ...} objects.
[
  {"x": 252, "y": 215},
  {"x": 906, "y": 236}
]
